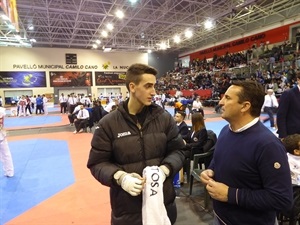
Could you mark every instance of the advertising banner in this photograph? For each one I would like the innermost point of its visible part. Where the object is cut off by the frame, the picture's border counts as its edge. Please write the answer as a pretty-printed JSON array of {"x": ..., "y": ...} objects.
[
  {"x": 110, "y": 78},
  {"x": 70, "y": 79},
  {"x": 25, "y": 79}
]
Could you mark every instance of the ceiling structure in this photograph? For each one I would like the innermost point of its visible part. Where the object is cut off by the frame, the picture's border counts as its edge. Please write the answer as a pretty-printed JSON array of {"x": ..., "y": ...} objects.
[{"x": 79, "y": 23}]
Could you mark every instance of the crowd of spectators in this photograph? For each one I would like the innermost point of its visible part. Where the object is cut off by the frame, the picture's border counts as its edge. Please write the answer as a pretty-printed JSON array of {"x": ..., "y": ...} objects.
[{"x": 275, "y": 67}]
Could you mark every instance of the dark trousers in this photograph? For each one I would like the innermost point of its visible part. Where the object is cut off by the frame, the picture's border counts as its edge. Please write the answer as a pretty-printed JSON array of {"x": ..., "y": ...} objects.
[
  {"x": 63, "y": 107},
  {"x": 39, "y": 108},
  {"x": 71, "y": 108},
  {"x": 80, "y": 124},
  {"x": 29, "y": 108},
  {"x": 270, "y": 112},
  {"x": 72, "y": 117}
]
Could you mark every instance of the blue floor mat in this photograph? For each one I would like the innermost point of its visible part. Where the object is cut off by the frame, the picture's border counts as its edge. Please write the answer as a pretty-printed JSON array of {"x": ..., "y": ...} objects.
[
  {"x": 42, "y": 120},
  {"x": 42, "y": 168}
]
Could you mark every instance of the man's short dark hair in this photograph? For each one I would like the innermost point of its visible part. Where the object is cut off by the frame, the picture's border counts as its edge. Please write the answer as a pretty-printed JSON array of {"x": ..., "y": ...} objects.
[
  {"x": 135, "y": 71},
  {"x": 183, "y": 114},
  {"x": 253, "y": 92},
  {"x": 291, "y": 142}
]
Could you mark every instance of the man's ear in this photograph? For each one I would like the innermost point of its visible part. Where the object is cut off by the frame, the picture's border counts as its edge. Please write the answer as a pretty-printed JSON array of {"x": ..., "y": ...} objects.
[
  {"x": 132, "y": 87},
  {"x": 246, "y": 106},
  {"x": 296, "y": 152}
]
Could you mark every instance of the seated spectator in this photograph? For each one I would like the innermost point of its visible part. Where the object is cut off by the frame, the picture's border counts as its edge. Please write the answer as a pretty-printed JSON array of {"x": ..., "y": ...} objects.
[
  {"x": 198, "y": 135},
  {"x": 97, "y": 111},
  {"x": 292, "y": 146},
  {"x": 72, "y": 116},
  {"x": 81, "y": 120},
  {"x": 108, "y": 107},
  {"x": 182, "y": 126}
]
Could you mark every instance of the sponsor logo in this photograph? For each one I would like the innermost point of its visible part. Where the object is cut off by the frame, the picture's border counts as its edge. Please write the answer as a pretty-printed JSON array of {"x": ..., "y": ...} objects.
[{"x": 127, "y": 133}]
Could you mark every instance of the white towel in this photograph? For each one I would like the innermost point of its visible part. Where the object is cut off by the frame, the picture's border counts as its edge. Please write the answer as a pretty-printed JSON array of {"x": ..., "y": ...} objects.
[{"x": 154, "y": 211}]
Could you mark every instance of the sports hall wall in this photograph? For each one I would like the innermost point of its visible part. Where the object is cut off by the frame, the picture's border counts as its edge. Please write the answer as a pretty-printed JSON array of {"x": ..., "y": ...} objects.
[
  {"x": 33, "y": 71},
  {"x": 275, "y": 34}
]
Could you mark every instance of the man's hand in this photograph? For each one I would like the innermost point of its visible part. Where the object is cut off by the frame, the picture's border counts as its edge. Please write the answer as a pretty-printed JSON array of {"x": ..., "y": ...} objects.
[
  {"x": 217, "y": 190},
  {"x": 132, "y": 183},
  {"x": 206, "y": 175},
  {"x": 165, "y": 172}
]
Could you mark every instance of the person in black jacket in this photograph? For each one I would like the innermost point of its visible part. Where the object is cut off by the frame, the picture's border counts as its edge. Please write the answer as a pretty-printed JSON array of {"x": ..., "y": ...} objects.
[
  {"x": 197, "y": 136},
  {"x": 136, "y": 135},
  {"x": 182, "y": 126},
  {"x": 288, "y": 119}
]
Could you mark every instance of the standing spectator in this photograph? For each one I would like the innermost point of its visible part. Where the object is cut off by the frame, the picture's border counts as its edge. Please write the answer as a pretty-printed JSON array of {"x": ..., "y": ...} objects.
[
  {"x": 136, "y": 135},
  {"x": 72, "y": 101},
  {"x": 249, "y": 177},
  {"x": 1, "y": 101},
  {"x": 197, "y": 106},
  {"x": 163, "y": 99},
  {"x": 39, "y": 105},
  {"x": 45, "y": 107},
  {"x": 85, "y": 100},
  {"x": 28, "y": 105},
  {"x": 63, "y": 103},
  {"x": 288, "y": 119},
  {"x": 5, "y": 155},
  {"x": 22, "y": 106},
  {"x": 33, "y": 102},
  {"x": 270, "y": 107}
]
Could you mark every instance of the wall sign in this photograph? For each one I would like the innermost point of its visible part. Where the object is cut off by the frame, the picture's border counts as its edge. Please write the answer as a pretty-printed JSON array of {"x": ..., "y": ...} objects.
[
  {"x": 110, "y": 78},
  {"x": 25, "y": 79},
  {"x": 70, "y": 79}
]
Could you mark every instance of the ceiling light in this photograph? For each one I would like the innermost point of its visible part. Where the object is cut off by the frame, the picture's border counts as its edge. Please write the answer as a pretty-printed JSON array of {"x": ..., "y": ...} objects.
[
  {"x": 31, "y": 27},
  {"x": 149, "y": 50},
  {"x": 132, "y": 1},
  {"x": 106, "y": 49},
  {"x": 162, "y": 45},
  {"x": 10, "y": 26},
  {"x": 188, "y": 34},
  {"x": 208, "y": 24},
  {"x": 109, "y": 26},
  {"x": 95, "y": 46},
  {"x": 104, "y": 33},
  {"x": 120, "y": 14},
  {"x": 32, "y": 40},
  {"x": 4, "y": 17},
  {"x": 176, "y": 39},
  {"x": 98, "y": 42},
  {"x": 18, "y": 37}
]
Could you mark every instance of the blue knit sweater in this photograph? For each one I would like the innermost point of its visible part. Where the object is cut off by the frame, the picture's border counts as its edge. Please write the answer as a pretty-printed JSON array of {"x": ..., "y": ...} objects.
[{"x": 253, "y": 163}]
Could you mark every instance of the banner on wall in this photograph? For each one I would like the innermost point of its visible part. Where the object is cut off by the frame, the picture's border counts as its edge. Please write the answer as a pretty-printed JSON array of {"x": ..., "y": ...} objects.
[
  {"x": 110, "y": 78},
  {"x": 70, "y": 79},
  {"x": 25, "y": 79}
]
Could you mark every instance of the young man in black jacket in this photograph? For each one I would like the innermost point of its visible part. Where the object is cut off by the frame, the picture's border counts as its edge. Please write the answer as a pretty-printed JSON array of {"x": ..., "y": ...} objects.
[{"x": 136, "y": 135}]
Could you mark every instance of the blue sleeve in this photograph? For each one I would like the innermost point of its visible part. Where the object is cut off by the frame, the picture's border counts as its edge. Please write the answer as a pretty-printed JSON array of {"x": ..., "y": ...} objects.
[{"x": 276, "y": 193}]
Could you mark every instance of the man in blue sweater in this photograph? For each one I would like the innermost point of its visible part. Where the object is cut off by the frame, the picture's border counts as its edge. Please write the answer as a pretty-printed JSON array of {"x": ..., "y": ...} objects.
[{"x": 249, "y": 176}]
